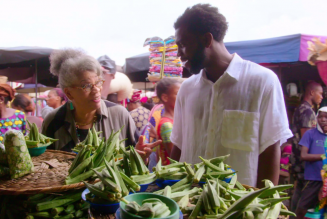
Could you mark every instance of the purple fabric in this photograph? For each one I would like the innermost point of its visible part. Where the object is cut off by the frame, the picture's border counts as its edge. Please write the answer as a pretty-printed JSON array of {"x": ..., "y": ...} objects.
[
  {"x": 61, "y": 94},
  {"x": 304, "y": 45},
  {"x": 314, "y": 141}
]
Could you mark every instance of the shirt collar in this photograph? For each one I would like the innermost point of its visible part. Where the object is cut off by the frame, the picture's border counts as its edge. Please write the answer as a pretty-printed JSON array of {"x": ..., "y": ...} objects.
[
  {"x": 233, "y": 70},
  {"x": 235, "y": 67},
  {"x": 102, "y": 111}
]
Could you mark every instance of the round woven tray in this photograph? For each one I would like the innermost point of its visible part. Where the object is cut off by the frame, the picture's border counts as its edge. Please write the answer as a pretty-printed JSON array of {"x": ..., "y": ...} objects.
[{"x": 51, "y": 170}]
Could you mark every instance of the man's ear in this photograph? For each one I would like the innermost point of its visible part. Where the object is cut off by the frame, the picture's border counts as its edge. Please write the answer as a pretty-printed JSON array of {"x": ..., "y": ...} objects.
[
  {"x": 207, "y": 40},
  {"x": 68, "y": 94}
]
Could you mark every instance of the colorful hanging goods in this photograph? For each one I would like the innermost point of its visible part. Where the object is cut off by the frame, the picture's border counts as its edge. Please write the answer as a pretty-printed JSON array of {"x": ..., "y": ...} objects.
[{"x": 164, "y": 61}]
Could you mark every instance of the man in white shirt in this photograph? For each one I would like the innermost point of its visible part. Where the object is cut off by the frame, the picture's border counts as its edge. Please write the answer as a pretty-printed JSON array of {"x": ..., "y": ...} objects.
[{"x": 229, "y": 106}]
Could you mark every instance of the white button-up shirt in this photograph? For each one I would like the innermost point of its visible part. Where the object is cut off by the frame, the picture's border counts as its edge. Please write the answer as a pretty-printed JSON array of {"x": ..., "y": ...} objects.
[{"x": 241, "y": 114}]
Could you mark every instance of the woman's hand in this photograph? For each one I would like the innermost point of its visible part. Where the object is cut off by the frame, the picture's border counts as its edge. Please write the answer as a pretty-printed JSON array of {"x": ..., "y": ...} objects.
[{"x": 145, "y": 149}]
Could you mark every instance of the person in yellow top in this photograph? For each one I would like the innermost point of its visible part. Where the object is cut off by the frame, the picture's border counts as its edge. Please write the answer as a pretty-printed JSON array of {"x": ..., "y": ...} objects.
[{"x": 9, "y": 118}]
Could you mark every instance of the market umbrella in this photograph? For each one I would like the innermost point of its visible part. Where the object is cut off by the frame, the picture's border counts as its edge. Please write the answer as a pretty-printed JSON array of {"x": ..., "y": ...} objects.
[
  {"x": 30, "y": 88},
  {"x": 27, "y": 65}
]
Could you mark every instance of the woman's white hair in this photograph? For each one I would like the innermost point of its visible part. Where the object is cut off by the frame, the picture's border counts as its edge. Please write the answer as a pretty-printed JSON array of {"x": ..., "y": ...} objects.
[{"x": 69, "y": 64}]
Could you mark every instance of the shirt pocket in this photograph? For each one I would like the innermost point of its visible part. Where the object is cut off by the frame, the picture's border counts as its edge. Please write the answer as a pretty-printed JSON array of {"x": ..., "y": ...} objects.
[{"x": 240, "y": 130}]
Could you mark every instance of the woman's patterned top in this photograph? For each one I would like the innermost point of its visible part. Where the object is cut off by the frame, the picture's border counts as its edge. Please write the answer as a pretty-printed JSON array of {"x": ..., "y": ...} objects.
[{"x": 16, "y": 121}]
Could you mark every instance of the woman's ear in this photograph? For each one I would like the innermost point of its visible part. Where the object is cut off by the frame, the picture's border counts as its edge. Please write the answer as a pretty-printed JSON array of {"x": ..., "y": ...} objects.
[
  {"x": 2, "y": 100},
  {"x": 68, "y": 94}
]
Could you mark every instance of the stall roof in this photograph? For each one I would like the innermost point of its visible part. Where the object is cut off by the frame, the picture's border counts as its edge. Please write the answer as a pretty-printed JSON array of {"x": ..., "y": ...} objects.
[
  {"x": 284, "y": 49},
  {"x": 19, "y": 65}
]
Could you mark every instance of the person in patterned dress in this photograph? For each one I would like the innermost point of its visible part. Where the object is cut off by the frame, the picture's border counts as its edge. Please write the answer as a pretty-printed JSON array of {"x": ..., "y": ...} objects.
[
  {"x": 139, "y": 113},
  {"x": 304, "y": 119},
  {"x": 9, "y": 118},
  {"x": 167, "y": 89}
]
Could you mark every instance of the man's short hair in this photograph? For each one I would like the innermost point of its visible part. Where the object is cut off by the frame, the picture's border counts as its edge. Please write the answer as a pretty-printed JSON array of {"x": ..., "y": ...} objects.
[
  {"x": 203, "y": 18},
  {"x": 311, "y": 85}
]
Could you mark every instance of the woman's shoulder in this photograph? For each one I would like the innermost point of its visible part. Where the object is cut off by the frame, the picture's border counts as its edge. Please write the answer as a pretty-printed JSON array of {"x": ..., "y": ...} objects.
[
  {"x": 60, "y": 112},
  {"x": 17, "y": 114},
  {"x": 116, "y": 108},
  {"x": 165, "y": 122}
]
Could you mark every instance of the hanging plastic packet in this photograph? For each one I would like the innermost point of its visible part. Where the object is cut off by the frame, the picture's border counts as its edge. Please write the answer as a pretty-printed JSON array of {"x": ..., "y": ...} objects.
[{"x": 19, "y": 159}]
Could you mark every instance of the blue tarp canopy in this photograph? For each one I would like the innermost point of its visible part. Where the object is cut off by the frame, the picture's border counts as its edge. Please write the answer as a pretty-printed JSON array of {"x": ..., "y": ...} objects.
[{"x": 271, "y": 50}]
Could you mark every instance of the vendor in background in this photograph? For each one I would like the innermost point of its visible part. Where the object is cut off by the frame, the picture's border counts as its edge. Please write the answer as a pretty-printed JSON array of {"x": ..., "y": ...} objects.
[
  {"x": 139, "y": 113},
  {"x": 167, "y": 89},
  {"x": 80, "y": 77},
  {"x": 24, "y": 103},
  {"x": 9, "y": 118},
  {"x": 55, "y": 99},
  {"x": 109, "y": 72},
  {"x": 147, "y": 103},
  {"x": 324, "y": 100},
  {"x": 312, "y": 147},
  {"x": 304, "y": 119}
]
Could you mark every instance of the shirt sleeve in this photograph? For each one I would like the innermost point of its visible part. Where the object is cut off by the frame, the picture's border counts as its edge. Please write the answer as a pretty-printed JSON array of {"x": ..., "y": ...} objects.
[
  {"x": 131, "y": 131},
  {"x": 307, "y": 119},
  {"x": 306, "y": 140},
  {"x": 176, "y": 134},
  {"x": 274, "y": 125},
  {"x": 165, "y": 132}
]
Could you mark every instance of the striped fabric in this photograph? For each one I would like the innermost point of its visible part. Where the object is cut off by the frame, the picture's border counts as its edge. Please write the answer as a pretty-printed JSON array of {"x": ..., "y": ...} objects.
[{"x": 60, "y": 124}]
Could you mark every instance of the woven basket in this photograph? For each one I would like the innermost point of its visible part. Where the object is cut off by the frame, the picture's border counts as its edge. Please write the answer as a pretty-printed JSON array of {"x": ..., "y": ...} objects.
[{"x": 51, "y": 170}]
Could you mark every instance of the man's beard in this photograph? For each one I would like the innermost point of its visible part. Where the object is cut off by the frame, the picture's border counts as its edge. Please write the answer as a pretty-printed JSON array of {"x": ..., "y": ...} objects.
[{"x": 197, "y": 62}]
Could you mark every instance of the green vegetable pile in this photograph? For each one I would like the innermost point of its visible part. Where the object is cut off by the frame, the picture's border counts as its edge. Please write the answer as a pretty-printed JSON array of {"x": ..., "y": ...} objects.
[
  {"x": 113, "y": 187},
  {"x": 222, "y": 200},
  {"x": 84, "y": 164},
  {"x": 135, "y": 168},
  {"x": 151, "y": 208},
  {"x": 56, "y": 205},
  {"x": 92, "y": 140},
  {"x": 35, "y": 139}
]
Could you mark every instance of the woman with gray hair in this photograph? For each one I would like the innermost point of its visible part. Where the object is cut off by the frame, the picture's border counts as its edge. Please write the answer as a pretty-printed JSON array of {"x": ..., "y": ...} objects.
[{"x": 80, "y": 77}]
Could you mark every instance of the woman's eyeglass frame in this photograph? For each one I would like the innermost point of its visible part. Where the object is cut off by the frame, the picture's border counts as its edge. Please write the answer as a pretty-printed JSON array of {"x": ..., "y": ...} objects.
[{"x": 89, "y": 87}]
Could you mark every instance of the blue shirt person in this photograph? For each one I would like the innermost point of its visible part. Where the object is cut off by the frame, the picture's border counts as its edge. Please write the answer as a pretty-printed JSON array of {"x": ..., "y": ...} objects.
[{"x": 312, "y": 148}]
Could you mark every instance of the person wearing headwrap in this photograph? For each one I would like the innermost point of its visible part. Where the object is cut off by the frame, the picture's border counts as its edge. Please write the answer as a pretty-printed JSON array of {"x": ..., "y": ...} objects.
[
  {"x": 109, "y": 70},
  {"x": 312, "y": 147},
  {"x": 139, "y": 113},
  {"x": 9, "y": 118}
]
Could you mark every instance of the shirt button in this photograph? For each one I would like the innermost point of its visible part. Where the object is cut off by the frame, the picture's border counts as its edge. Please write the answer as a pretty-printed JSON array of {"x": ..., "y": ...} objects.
[{"x": 214, "y": 108}]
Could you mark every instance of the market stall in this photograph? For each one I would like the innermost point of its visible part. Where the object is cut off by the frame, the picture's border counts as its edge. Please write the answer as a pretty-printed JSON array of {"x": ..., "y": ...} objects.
[
  {"x": 51, "y": 184},
  {"x": 28, "y": 65},
  {"x": 285, "y": 55}
]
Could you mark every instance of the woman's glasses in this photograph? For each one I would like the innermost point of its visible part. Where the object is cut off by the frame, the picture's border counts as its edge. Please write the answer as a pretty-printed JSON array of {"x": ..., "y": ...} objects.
[{"x": 88, "y": 87}]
